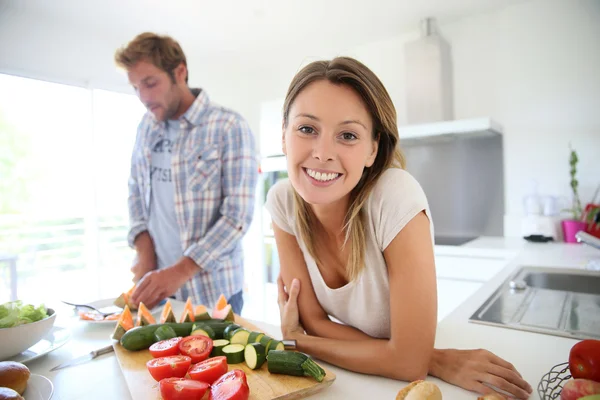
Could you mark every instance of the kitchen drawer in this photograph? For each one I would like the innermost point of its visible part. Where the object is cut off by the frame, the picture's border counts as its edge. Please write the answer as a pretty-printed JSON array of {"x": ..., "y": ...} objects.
[{"x": 478, "y": 269}]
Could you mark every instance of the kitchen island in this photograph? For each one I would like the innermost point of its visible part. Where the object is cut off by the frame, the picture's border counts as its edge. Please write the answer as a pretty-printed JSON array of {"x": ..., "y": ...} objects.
[{"x": 532, "y": 354}]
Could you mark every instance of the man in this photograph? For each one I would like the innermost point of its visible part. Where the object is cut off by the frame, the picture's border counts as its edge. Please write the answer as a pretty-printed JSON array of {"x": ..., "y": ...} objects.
[{"x": 191, "y": 191}]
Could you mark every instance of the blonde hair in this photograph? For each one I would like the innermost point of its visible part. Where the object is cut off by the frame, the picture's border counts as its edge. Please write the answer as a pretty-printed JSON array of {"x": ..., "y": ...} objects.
[
  {"x": 354, "y": 74},
  {"x": 162, "y": 51}
]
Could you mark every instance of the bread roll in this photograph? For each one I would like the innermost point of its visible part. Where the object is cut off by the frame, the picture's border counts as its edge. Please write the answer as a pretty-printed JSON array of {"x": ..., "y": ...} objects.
[
  {"x": 9, "y": 394},
  {"x": 14, "y": 375},
  {"x": 420, "y": 390},
  {"x": 492, "y": 396}
]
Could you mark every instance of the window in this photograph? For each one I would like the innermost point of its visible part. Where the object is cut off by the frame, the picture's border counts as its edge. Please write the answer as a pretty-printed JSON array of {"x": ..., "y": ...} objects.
[{"x": 64, "y": 163}]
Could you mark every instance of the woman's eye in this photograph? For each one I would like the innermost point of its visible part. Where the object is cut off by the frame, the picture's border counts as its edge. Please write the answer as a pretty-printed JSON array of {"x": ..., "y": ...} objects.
[
  {"x": 306, "y": 129},
  {"x": 348, "y": 136},
  {"x": 151, "y": 85}
]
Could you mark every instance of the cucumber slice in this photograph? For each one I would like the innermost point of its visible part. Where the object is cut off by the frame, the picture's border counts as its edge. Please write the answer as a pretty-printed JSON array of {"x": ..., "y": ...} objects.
[
  {"x": 265, "y": 341},
  {"x": 234, "y": 353},
  {"x": 239, "y": 336},
  {"x": 199, "y": 327},
  {"x": 255, "y": 337},
  {"x": 275, "y": 345},
  {"x": 218, "y": 347},
  {"x": 229, "y": 330},
  {"x": 255, "y": 355},
  {"x": 164, "y": 332}
]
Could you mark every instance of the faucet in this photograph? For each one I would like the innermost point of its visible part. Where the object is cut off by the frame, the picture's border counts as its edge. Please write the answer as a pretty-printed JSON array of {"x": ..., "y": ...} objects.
[{"x": 586, "y": 238}]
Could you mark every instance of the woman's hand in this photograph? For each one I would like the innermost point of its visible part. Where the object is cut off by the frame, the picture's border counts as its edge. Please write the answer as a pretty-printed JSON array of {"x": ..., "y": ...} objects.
[
  {"x": 476, "y": 369},
  {"x": 288, "y": 309}
]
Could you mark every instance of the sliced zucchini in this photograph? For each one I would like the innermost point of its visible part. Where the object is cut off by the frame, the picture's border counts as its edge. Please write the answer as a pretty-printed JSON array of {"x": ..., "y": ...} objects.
[
  {"x": 255, "y": 355},
  {"x": 229, "y": 330},
  {"x": 218, "y": 347},
  {"x": 164, "y": 332},
  {"x": 239, "y": 336},
  {"x": 234, "y": 353},
  {"x": 255, "y": 337},
  {"x": 275, "y": 345},
  {"x": 203, "y": 329},
  {"x": 293, "y": 363},
  {"x": 265, "y": 341}
]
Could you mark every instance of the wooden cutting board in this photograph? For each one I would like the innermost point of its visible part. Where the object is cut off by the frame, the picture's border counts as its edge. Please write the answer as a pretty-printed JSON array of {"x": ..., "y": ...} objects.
[{"x": 263, "y": 385}]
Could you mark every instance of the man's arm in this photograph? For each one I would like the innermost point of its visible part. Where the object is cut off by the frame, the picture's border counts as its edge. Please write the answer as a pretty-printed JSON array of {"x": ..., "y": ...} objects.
[
  {"x": 138, "y": 236},
  {"x": 239, "y": 174}
]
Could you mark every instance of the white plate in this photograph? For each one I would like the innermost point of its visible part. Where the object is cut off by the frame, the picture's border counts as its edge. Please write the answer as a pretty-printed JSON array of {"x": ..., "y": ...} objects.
[
  {"x": 52, "y": 341},
  {"x": 38, "y": 388},
  {"x": 108, "y": 305}
]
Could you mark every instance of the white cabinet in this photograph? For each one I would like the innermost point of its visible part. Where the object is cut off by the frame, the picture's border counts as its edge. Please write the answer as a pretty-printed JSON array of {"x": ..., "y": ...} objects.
[{"x": 459, "y": 276}]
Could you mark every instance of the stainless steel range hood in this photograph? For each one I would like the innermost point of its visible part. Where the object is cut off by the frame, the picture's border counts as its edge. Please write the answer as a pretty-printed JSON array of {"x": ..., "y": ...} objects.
[
  {"x": 448, "y": 130},
  {"x": 429, "y": 94}
]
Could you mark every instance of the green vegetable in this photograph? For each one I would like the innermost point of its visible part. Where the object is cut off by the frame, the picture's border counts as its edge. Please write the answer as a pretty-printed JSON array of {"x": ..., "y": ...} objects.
[
  {"x": 142, "y": 337},
  {"x": 293, "y": 363},
  {"x": 164, "y": 332},
  {"x": 14, "y": 313}
]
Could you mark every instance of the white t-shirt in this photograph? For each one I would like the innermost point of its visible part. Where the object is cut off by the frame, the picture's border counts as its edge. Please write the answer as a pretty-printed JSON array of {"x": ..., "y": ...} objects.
[{"x": 365, "y": 303}]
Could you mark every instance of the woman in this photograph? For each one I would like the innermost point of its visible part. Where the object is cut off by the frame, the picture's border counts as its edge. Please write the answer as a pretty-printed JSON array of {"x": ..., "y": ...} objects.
[{"x": 354, "y": 237}]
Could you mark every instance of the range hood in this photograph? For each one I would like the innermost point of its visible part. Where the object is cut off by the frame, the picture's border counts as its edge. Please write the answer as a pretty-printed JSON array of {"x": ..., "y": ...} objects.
[{"x": 429, "y": 97}]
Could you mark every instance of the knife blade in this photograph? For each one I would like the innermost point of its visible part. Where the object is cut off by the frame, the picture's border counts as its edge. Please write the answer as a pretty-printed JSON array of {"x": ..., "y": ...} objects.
[{"x": 84, "y": 358}]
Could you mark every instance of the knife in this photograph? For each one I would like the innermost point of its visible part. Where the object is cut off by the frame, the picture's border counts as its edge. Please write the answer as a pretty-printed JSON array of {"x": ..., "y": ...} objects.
[{"x": 84, "y": 358}]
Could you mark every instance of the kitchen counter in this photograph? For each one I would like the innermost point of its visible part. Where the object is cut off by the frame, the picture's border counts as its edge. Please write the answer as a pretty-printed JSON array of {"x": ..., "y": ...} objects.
[{"x": 532, "y": 354}]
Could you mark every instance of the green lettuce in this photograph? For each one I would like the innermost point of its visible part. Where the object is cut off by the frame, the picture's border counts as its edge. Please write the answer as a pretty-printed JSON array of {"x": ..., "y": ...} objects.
[{"x": 14, "y": 313}]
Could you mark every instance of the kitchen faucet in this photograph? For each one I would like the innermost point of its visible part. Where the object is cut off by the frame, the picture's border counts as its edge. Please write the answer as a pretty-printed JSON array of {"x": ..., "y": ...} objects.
[{"x": 592, "y": 241}]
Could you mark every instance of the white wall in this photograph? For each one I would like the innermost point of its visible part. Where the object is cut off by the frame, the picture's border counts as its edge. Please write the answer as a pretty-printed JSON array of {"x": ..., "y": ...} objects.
[{"x": 532, "y": 66}]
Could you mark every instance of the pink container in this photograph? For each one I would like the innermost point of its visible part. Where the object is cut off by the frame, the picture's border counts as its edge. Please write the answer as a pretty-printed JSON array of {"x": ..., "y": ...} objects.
[{"x": 570, "y": 227}]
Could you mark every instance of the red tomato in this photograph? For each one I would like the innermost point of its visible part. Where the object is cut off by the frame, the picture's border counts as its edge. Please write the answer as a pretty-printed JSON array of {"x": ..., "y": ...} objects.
[
  {"x": 165, "y": 348},
  {"x": 196, "y": 347},
  {"x": 209, "y": 370},
  {"x": 584, "y": 360},
  {"x": 168, "y": 367},
  {"x": 182, "y": 389},
  {"x": 231, "y": 386}
]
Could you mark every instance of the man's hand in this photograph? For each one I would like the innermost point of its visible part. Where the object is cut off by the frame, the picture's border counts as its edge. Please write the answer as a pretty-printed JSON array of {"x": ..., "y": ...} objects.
[
  {"x": 159, "y": 284},
  {"x": 142, "y": 267}
]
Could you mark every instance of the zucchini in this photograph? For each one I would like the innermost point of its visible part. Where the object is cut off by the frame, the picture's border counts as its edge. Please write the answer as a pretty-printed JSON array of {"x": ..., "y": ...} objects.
[
  {"x": 234, "y": 353},
  {"x": 203, "y": 329},
  {"x": 229, "y": 330},
  {"x": 265, "y": 340},
  {"x": 275, "y": 345},
  {"x": 255, "y": 337},
  {"x": 239, "y": 336},
  {"x": 164, "y": 332},
  {"x": 218, "y": 325},
  {"x": 142, "y": 337},
  {"x": 293, "y": 363},
  {"x": 255, "y": 355},
  {"x": 218, "y": 347}
]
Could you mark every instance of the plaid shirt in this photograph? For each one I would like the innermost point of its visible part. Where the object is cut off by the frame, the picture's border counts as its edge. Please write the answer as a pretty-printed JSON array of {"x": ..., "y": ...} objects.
[{"x": 215, "y": 169}]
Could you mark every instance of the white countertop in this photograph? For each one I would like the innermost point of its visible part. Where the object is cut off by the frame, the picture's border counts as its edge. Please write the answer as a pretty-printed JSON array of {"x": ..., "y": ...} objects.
[{"x": 532, "y": 354}]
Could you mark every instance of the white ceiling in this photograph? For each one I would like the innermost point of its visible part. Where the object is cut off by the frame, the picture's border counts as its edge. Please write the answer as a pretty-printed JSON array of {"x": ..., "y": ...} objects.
[{"x": 263, "y": 28}]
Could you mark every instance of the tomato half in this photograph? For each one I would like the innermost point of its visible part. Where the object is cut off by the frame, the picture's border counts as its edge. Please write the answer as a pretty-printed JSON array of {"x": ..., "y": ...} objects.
[
  {"x": 231, "y": 386},
  {"x": 196, "y": 347},
  {"x": 584, "y": 360},
  {"x": 168, "y": 367},
  {"x": 209, "y": 370},
  {"x": 165, "y": 348},
  {"x": 182, "y": 389}
]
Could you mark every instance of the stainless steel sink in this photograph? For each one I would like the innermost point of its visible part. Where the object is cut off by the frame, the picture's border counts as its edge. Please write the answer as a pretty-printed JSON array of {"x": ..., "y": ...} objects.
[{"x": 555, "y": 301}]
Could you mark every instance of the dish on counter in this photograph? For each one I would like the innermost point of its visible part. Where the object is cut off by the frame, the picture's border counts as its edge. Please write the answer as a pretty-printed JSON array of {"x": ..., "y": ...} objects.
[
  {"x": 109, "y": 304},
  {"x": 52, "y": 341}
]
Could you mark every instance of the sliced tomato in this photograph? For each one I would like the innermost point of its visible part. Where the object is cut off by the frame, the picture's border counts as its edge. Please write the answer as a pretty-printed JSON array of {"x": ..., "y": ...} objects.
[
  {"x": 209, "y": 370},
  {"x": 196, "y": 347},
  {"x": 169, "y": 367},
  {"x": 182, "y": 389},
  {"x": 165, "y": 348},
  {"x": 231, "y": 386}
]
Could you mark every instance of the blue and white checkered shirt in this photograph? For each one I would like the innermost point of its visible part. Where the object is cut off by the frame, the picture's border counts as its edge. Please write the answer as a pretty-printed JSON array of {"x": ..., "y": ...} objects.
[{"x": 214, "y": 167}]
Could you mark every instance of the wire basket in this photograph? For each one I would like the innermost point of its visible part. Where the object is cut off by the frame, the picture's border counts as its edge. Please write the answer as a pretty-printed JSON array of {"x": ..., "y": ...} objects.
[{"x": 552, "y": 382}]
